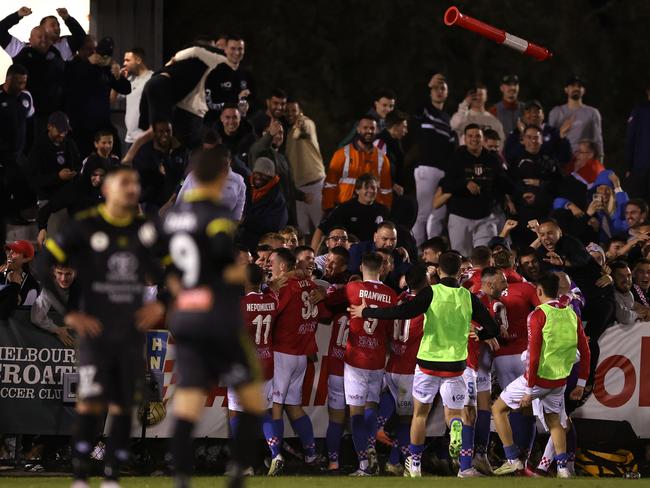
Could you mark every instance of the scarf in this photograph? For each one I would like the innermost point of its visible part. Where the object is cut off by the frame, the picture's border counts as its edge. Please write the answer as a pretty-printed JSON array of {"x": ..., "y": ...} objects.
[{"x": 259, "y": 193}]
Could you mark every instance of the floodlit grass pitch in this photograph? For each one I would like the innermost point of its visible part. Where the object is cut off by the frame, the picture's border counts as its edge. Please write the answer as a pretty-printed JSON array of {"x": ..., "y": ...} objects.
[{"x": 338, "y": 481}]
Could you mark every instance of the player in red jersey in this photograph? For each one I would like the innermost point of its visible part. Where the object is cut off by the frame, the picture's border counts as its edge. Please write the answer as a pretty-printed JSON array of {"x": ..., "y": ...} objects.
[
  {"x": 481, "y": 258},
  {"x": 400, "y": 369},
  {"x": 493, "y": 283},
  {"x": 294, "y": 338},
  {"x": 365, "y": 358},
  {"x": 258, "y": 311},
  {"x": 335, "y": 388},
  {"x": 555, "y": 338},
  {"x": 520, "y": 299}
]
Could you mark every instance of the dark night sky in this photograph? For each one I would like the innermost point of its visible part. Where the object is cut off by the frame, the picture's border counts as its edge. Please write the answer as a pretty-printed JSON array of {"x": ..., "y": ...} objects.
[{"x": 334, "y": 54}]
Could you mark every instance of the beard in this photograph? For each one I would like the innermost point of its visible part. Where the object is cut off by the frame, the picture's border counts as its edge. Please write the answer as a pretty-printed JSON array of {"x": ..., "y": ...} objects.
[{"x": 575, "y": 95}]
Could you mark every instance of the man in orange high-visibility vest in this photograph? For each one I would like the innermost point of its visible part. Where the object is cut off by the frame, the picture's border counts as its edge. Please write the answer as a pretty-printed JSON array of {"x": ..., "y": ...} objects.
[{"x": 353, "y": 160}]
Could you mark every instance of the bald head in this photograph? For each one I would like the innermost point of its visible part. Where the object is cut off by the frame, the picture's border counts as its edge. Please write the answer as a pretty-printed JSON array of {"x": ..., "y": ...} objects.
[{"x": 38, "y": 39}]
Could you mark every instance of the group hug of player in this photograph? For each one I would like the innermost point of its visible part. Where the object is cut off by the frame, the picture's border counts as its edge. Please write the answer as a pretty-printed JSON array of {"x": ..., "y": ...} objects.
[{"x": 438, "y": 338}]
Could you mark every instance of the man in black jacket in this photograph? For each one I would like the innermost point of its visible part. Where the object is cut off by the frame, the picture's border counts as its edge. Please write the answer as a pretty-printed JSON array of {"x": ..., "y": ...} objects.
[
  {"x": 46, "y": 76},
  {"x": 266, "y": 208},
  {"x": 55, "y": 159},
  {"x": 66, "y": 45},
  {"x": 161, "y": 164},
  {"x": 434, "y": 144},
  {"x": 90, "y": 77},
  {"x": 568, "y": 254},
  {"x": 477, "y": 182}
]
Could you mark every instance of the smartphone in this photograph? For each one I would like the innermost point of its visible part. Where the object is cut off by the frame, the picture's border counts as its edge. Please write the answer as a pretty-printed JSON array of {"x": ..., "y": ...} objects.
[{"x": 597, "y": 198}]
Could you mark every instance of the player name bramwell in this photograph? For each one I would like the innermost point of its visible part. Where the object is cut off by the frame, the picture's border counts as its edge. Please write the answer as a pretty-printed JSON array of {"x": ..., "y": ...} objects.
[{"x": 373, "y": 295}]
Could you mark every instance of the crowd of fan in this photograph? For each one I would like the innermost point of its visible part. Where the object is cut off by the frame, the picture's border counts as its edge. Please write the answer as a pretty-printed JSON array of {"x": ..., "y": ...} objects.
[{"x": 407, "y": 185}]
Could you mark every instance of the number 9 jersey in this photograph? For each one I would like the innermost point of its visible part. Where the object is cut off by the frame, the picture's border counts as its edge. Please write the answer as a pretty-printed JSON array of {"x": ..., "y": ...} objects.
[
  {"x": 367, "y": 338},
  {"x": 199, "y": 236}
]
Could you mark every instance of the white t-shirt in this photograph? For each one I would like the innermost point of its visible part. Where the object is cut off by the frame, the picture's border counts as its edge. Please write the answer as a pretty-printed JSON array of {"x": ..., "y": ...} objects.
[{"x": 132, "y": 115}]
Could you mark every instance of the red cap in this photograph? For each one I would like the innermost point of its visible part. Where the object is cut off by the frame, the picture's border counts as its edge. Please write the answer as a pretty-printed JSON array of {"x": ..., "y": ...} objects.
[{"x": 22, "y": 247}]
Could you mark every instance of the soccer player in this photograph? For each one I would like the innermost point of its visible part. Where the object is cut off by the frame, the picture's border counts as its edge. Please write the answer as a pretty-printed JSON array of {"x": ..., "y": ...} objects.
[
  {"x": 365, "y": 358},
  {"x": 519, "y": 299},
  {"x": 111, "y": 249},
  {"x": 493, "y": 284},
  {"x": 398, "y": 378},
  {"x": 294, "y": 339},
  {"x": 442, "y": 355},
  {"x": 259, "y": 311},
  {"x": 335, "y": 387},
  {"x": 554, "y": 335},
  {"x": 211, "y": 344}
]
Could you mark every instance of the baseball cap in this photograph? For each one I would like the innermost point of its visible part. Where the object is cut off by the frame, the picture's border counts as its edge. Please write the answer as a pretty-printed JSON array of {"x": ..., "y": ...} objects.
[
  {"x": 575, "y": 80},
  {"x": 264, "y": 166},
  {"x": 60, "y": 121},
  {"x": 22, "y": 247},
  {"x": 498, "y": 241},
  {"x": 510, "y": 80},
  {"x": 105, "y": 46},
  {"x": 533, "y": 104}
]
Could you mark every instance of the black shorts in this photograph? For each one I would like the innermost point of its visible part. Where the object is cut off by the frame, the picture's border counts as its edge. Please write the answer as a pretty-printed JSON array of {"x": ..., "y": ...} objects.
[
  {"x": 222, "y": 353},
  {"x": 111, "y": 373}
]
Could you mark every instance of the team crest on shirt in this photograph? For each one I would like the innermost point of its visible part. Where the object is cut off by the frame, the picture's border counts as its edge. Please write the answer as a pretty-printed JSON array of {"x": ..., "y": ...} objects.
[
  {"x": 25, "y": 103},
  {"x": 478, "y": 169},
  {"x": 122, "y": 266},
  {"x": 379, "y": 219},
  {"x": 99, "y": 241},
  {"x": 147, "y": 234},
  {"x": 60, "y": 158}
]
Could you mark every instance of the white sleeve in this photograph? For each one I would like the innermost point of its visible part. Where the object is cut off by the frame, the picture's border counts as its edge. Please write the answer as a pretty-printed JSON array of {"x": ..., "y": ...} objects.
[{"x": 38, "y": 313}]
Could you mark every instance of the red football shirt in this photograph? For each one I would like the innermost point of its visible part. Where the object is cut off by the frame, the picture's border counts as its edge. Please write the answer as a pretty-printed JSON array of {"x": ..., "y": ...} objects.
[
  {"x": 519, "y": 299},
  {"x": 338, "y": 342},
  {"x": 405, "y": 342},
  {"x": 366, "y": 347},
  {"x": 295, "y": 329},
  {"x": 259, "y": 311},
  {"x": 473, "y": 346},
  {"x": 473, "y": 281}
]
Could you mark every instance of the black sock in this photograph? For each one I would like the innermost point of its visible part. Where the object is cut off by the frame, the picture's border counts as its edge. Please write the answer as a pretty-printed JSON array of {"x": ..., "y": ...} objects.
[
  {"x": 248, "y": 432},
  {"x": 86, "y": 431},
  {"x": 117, "y": 446},
  {"x": 181, "y": 447}
]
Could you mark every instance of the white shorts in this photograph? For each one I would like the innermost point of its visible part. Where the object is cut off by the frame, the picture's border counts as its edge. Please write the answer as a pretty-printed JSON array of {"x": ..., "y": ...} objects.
[
  {"x": 469, "y": 375},
  {"x": 288, "y": 375},
  {"x": 452, "y": 390},
  {"x": 508, "y": 369},
  {"x": 361, "y": 385},
  {"x": 335, "y": 392},
  {"x": 233, "y": 401},
  {"x": 484, "y": 373},
  {"x": 545, "y": 400},
  {"x": 401, "y": 387}
]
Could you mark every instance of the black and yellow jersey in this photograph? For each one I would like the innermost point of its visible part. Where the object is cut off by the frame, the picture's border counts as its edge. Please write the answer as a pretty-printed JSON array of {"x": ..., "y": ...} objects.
[{"x": 113, "y": 259}]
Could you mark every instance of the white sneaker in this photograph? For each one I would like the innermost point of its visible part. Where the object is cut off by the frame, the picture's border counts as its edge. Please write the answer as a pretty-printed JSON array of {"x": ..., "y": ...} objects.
[
  {"x": 79, "y": 484},
  {"x": 470, "y": 473},
  {"x": 277, "y": 465},
  {"x": 482, "y": 463},
  {"x": 248, "y": 471},
  {"x": 509, "y": 467},
  {"x": 361, "y": 472},
  {"x": 412, "y": 468},
  {"x": 563, "y": 473}
]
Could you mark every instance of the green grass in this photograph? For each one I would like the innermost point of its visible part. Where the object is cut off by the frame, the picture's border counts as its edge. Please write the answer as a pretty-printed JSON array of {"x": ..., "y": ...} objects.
[{"x": 338, "y": 482}]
